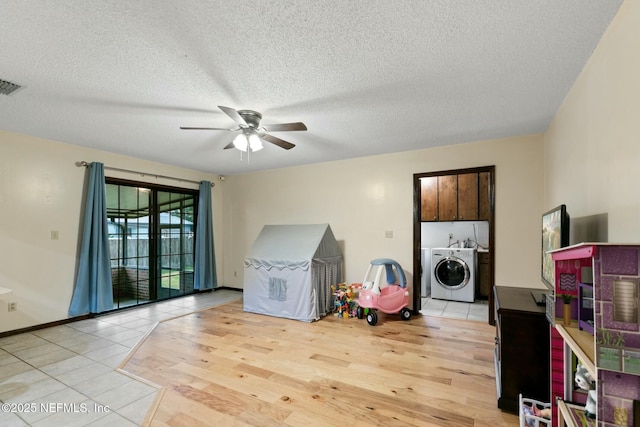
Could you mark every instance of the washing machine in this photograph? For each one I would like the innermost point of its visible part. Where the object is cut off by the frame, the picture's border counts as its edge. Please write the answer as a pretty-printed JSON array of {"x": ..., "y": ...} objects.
[{"x": 453, "y": 274}]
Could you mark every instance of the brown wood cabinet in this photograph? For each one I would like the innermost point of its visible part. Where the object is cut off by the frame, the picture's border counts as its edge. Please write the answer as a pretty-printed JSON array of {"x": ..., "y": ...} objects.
[
  {"x": 429, "y": 198},
  {"x": 522, "y": 347},
  {"x": 461, "y": 197},
  {"x": 467, "y": 197},
  {"x": 484, "y": 197},
  {"x": 484, "y": 271},
  {"x": 447, "y": 197}
]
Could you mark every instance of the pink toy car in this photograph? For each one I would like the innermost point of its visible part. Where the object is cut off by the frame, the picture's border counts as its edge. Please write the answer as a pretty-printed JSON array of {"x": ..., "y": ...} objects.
[{"x": 392, "y": 298}]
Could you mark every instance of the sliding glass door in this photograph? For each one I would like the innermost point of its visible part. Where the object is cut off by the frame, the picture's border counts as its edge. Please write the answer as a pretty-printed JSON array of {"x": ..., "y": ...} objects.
[
  {"x": 175, "y": 234},
  {"x": 151, "y": 237}
]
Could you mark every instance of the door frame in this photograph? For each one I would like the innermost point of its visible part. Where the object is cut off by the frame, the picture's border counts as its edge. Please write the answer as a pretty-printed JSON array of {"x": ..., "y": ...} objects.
[
  {"x": 153, "y": 211},
  {"x": 417, "y": 235}
]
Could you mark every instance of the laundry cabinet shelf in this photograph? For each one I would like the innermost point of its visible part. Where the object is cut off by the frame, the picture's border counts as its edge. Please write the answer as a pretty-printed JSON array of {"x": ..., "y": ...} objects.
[{"x": 456, "y": 197}]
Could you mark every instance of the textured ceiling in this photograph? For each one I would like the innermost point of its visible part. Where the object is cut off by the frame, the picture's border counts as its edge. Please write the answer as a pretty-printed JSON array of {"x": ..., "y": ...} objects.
[{"x": 365, "y": 76}]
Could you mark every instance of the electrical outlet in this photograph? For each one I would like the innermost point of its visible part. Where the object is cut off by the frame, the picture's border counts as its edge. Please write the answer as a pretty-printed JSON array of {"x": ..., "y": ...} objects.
[
  {"x": 55, "y": 235},
  {"x": 12, "y": 306},
  {"x": 388, "y": 234}
]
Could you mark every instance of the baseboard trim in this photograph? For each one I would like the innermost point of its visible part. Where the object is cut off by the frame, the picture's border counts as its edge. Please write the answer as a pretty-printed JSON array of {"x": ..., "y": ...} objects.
[
  {"x": 46, "y": 325},
  {"x": 94, "y": 315}
]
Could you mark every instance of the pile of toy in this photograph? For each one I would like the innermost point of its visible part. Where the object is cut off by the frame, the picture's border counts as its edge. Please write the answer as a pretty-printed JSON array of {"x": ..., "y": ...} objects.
[{"x": 345, "y": 299}]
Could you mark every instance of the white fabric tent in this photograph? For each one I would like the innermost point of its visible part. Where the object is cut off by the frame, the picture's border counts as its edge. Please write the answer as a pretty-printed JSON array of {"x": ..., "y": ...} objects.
[{"x": 289, "y": 271}]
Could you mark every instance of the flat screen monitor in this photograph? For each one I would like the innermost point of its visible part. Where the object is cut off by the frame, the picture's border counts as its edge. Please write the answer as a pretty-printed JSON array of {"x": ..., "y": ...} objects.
[{"x": 555, "y": 235}]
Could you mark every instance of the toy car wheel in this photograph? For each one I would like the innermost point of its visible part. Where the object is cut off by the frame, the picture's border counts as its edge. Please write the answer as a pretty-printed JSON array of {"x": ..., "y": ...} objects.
[
  {"x": 372, "y": 318},
  {"x": 405, "y": 314},
  {"x": 359, "y": 313}
]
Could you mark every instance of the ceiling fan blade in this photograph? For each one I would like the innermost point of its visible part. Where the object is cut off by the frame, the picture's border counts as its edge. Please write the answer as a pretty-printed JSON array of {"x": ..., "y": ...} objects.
[
  {"x": 229, "y": 145},
  {"x": 233, "y": 114},
  {"x": 285, "y": 127},
  {"x": 277, "y": 141},
  {"x": 189, "y": 128}
]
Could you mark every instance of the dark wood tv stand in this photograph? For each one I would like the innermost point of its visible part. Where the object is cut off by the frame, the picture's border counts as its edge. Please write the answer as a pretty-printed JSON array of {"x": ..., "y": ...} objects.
[{"x": 522, "y": 347}]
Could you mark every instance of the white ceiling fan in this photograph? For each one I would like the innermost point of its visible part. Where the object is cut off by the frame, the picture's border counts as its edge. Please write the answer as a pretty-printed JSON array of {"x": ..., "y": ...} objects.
[{"x": 252, "y": 134}]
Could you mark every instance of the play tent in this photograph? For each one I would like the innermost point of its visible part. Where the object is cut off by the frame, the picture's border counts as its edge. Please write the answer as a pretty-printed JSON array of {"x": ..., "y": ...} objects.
[{"x": 289, "y": 271}]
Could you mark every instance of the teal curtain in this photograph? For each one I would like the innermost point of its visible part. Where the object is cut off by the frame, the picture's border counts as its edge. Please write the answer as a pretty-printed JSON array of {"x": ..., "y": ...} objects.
[
  {"x": 93, "y": 290},
  {"x": 204, "y": 275}
]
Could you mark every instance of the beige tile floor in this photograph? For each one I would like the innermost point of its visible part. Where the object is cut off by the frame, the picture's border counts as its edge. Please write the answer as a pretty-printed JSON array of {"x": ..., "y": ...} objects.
[
  {"x": 66, "y": 375},
  {"x": 478, "y": 310}
]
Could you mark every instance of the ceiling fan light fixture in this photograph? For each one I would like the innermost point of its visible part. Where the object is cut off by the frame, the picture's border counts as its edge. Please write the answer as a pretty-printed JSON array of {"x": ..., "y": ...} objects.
[
  {"x": 248, "y": 140},
  {"x": 255, "y": 143},
  {"x": 241, "y": 142}
]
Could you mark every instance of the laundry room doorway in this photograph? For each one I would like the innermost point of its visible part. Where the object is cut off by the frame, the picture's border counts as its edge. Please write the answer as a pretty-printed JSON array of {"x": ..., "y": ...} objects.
[{"x": 455, "y": 209}]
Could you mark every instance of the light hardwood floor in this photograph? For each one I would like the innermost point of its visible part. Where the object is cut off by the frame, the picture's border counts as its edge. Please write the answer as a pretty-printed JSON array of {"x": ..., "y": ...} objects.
[{"x": 225, "y": 367}]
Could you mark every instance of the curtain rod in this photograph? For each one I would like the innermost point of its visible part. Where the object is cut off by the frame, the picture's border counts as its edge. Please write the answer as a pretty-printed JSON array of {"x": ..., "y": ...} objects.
[{"x": 155, "y": 175}]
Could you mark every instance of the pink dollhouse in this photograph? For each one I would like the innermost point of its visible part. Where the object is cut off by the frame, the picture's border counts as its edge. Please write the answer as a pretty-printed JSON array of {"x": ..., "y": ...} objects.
[{"x": 604, "y": 334}]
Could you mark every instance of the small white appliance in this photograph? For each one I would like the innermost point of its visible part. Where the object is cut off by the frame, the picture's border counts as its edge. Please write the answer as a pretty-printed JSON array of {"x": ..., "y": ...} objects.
[
  {"x": 453, "y": 274},
  {"x": 425, "y": 279}
]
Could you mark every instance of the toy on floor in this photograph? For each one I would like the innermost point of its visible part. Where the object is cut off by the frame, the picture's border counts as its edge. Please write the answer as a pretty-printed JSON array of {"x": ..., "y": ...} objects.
[
  {"x": 344, "y": 304},
  {"x": 534, "y": 413},
  {"x": 585, "y": 381},
  {"x": 390, "y": 296}
]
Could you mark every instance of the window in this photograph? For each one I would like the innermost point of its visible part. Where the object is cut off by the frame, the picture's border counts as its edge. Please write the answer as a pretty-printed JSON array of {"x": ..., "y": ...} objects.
[
  {"x": 151, "y": 241},
  {"x": 625, "y": 301}
]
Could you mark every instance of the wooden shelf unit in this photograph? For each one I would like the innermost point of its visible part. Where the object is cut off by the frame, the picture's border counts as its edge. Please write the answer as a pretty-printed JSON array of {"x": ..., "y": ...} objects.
[{"x": 581, "y": 343}]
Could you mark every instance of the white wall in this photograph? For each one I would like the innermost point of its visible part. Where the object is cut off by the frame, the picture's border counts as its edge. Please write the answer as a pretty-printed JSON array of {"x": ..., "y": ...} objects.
[
  {"x": 587, "y": 159},
  {"x": 41, "y": 190},
  {"x": 592, "y": 147},
  {"x": 436, "y": 234},
  {"x": 362, "y": 198}
]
